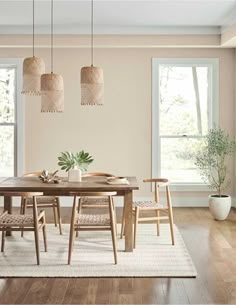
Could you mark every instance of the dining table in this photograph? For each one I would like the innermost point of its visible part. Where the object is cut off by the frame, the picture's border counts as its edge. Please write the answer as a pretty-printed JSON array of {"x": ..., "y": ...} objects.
[{"x": 65, "y": 188}]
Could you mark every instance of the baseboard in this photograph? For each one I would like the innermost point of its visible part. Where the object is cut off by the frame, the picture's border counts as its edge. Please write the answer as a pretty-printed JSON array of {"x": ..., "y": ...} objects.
[{"x": 176, "y": 201}]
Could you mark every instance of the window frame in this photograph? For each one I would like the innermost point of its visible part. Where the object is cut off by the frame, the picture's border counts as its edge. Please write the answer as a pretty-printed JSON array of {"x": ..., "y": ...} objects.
[
  {"x": 19, "y": 114},
  {"x": 213, "y": 64}
]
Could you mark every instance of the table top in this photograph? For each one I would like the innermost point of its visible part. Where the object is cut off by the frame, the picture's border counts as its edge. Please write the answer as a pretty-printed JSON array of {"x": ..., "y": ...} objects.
[{"x": 88, "y": 184}]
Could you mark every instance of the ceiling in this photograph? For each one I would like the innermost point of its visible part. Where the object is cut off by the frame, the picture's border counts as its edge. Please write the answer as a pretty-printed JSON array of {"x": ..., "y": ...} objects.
[{"x": 119, "y": 16}]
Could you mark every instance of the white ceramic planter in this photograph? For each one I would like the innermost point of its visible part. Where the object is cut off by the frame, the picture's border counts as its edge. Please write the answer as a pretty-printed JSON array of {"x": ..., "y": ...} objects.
[
  {"x": 74, "y": 175},
  {"x": 219, "y": 206}
]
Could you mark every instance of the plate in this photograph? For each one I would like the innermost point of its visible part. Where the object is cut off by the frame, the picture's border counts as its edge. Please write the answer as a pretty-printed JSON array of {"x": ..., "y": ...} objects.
[{"x": 117, "y": 180}]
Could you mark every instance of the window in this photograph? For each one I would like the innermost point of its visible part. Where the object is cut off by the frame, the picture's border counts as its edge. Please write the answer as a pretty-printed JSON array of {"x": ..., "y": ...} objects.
[
  {"x": 11, "y": 121},
  {"x": 184, "y": 108}
]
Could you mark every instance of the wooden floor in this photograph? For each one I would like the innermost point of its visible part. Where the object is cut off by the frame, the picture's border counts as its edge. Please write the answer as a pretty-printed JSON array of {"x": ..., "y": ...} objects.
[{"x": 211, "y": 244}]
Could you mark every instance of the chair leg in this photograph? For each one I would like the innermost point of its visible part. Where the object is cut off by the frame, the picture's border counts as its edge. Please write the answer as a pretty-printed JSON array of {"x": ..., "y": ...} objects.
[
  {"x": 158, "y": 223},
  {"x": 21, "y": 205},
  {"x": 71, "y": 243},
  {"x": 122, "y": 224},
  {"x": 3, "y": 240},
  {"x": 170, "y": 215},
  {"x": 55, "y": 215},
  {"x": 24, "y": 207},
  {"x": 136, "y": 225},
  {"x": 115, "y": 218},
  {"x": 36, "y": 236},
  {"x": 80, "y": 205},
  {"x": 44, "y": 235},
  {"x": 77, "y": 231},
  {"x": 72, "y": 231},
  {"x": 113, "y": 229},
  {"x": 59, "y": 216},
  {"x": 36, "y": 229},
  {"x": 172, "y": 228}
]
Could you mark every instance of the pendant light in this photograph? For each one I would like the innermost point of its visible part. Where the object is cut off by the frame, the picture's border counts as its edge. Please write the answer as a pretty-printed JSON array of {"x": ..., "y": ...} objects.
[
  {"x": 33, "y": 68},
  {"x": 92, "y": 84},
  {"x": 52, "y": 87}
]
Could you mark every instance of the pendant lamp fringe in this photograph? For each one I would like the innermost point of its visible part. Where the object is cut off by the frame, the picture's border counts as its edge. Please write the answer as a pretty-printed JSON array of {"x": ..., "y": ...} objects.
[{"x": 52, "y": 90}]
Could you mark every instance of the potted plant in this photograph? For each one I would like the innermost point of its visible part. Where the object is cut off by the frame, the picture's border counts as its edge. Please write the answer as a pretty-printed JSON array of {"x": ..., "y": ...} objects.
[
  {"x": 211, "y": 160},
  {"x": 74, "y": 163}
]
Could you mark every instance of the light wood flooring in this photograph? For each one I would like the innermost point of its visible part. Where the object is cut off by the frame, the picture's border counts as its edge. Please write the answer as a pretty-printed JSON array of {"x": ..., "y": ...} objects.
[{"x": 212, "y": 245}]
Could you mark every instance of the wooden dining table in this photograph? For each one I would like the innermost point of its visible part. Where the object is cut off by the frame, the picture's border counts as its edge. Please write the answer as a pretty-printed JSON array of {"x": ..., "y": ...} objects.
[{"x": 64, "y": 188}]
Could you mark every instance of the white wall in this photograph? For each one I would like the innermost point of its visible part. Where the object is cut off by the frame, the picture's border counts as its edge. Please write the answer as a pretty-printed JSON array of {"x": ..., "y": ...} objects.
[{"x": 118, "y": 134}]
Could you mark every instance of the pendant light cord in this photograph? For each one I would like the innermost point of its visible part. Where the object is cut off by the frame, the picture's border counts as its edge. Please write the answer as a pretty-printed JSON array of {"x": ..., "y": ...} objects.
[
  {"x": 51, "y": 36},
  {"x": 92, "y": 33},
  {"x": 33, "y": 28}
]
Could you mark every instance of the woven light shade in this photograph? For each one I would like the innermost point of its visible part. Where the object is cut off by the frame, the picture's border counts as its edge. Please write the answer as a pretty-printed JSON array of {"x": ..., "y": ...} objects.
[
  {"x": 92, "y": 86},
  {"x": 52, "y": 90},
  {"x": 33, "y": 68}
]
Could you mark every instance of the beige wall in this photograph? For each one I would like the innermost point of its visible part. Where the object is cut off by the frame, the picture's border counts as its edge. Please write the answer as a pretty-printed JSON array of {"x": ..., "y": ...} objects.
[{"x": 118, "y": 135}]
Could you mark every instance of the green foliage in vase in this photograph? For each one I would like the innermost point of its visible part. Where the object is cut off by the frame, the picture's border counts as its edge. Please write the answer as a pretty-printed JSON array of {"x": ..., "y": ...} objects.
[
  {"x": 69, "y": 160},
  {"x": 212, "y": 159}
]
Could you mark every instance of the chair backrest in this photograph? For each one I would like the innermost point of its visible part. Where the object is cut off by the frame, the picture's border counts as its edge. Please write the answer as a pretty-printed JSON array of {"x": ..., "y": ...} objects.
[
  {"x": 25, "y": 195},
  {"x": 158, "y": 182},
  {"x": 90, "y": 194},
  {"x": 33, "y": 174},
  {"x": 97, "y": 174}
]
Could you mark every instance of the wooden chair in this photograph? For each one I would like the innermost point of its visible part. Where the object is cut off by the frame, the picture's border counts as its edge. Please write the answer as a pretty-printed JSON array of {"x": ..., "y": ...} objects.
[
  {"x": 43, "y": 202},
  {"x": 93, "y": 202},
  {"x": 93, "y": 221},
  {"x": 154, "y": 206},
  {"x": 16, "y": 222}
]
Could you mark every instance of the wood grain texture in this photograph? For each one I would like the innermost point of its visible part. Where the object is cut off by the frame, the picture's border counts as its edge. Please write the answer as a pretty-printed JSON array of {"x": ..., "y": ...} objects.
[{"x": 212, "y": 245}]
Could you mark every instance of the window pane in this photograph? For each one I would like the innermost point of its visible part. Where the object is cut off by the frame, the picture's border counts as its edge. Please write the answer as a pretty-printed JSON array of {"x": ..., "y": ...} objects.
[
  {"x": 183, "y": 100},
  {"x": 6, "y": 151},
  {"x": 177, "y": 159},
  {"x": 7, "y": 95}
]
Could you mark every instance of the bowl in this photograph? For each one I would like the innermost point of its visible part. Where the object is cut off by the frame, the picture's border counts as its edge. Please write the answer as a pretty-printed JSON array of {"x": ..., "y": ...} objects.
[{"x": 117, "y": 180}]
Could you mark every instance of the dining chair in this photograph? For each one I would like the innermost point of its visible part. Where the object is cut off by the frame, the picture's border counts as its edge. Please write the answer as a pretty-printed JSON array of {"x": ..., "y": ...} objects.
[
  {"x": 93, "y": 202},
  {"x": 43, "y": 202},
  {"x": 93, "y": 221},
  {"x": 155, "y": 206},
  {"x": 16, "y": 222}
]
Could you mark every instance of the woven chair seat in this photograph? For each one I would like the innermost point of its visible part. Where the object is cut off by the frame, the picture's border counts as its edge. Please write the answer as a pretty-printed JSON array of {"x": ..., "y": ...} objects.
[
  {"x": 42, "y": 199},
  {"x": 148, "y": 205},
  {"x": 15, "y": 219},
  {"x": 93, "y": 219}
]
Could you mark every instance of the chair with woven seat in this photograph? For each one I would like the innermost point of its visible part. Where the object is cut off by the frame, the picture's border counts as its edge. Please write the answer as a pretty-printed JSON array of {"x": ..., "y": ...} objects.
[
  {"x": 16, "y": 222},
  {"x": 93, "y": 221},
  {"x": 93, "y": 202},
  {"x": 155, "y": 206},
  {"x": 43, "y": 202}
]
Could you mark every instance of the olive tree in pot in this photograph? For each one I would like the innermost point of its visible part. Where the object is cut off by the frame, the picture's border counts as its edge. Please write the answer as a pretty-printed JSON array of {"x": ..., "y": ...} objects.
[
  {"x": 212, "y": 160},
  {"x": 74, "y": 163}
]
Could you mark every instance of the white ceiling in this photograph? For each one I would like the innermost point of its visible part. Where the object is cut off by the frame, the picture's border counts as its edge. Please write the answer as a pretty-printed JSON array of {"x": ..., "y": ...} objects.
[{"x": 119, "y": 16}]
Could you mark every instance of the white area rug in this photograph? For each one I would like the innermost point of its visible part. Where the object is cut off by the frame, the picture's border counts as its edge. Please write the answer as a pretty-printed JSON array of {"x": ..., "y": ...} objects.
[{"x": 93, "y": 255}]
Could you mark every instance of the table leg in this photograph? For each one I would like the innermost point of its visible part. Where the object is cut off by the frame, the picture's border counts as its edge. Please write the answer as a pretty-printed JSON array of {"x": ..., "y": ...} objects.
[
  {"x": 8, "y": 207},
  {"x": 128, "y": 199}
]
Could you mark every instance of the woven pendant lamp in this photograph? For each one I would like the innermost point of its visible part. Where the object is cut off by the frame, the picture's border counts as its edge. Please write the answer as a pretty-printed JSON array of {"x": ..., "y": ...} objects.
[
  {"x": 92, "y": 83},
  {"x": 52, "y": 85},
  {"x": 33, "y": 68}
]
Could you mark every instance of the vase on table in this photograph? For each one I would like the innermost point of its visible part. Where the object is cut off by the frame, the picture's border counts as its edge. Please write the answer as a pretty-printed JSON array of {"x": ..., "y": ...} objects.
[{"x": 74, "y": 175}]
